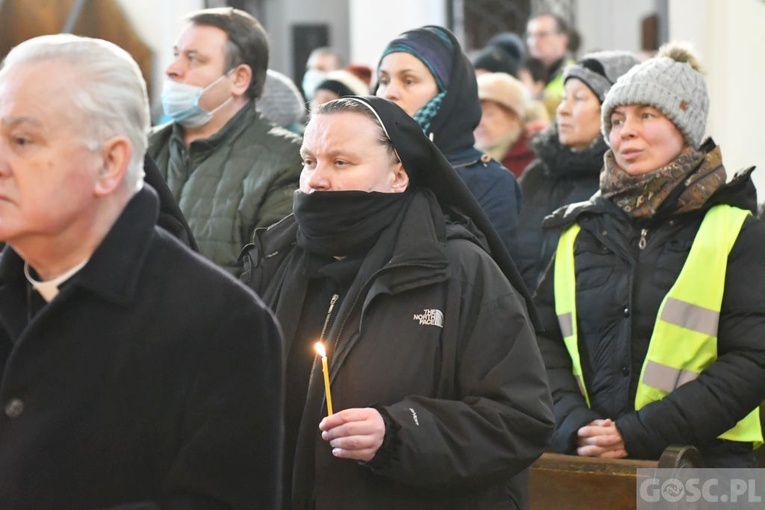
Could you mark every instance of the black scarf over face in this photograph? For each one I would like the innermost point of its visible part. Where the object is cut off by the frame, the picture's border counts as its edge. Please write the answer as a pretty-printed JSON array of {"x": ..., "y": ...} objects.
[
  {"x": 340, "y": 223},
  {"x": 427, "y": 167}
]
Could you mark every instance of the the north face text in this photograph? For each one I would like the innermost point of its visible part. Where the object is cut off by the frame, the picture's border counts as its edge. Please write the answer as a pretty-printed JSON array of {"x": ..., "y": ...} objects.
[{"x": 430, "y": 318}]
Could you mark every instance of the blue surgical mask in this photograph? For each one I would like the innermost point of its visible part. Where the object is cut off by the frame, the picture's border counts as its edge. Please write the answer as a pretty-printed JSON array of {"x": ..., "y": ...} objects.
[
  {"x": 311, "y": 79},
  {"x": 180, "y": 102}
]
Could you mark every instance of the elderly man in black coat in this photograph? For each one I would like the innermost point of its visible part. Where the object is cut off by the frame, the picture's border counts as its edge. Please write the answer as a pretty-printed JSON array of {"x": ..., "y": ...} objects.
[{"x": 134, "y": 373}]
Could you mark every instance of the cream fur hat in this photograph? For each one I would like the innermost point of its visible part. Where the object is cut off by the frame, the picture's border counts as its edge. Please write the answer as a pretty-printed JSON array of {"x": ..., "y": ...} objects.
[{"x": 504, "y": 90}]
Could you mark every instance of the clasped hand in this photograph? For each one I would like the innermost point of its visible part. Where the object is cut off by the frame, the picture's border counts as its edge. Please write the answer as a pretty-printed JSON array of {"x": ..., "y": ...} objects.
[{"x": 600, "y": 438}]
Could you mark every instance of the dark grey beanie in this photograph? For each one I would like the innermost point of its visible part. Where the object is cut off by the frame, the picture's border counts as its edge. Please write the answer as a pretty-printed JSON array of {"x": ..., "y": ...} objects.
[
  {"x": 600, "y": 70},
  {"x": 672, "y": 83}
]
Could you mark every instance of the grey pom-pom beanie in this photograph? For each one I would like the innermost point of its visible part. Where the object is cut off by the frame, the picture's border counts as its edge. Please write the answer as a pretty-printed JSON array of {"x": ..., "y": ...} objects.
[{"x": 673, "y": 87}]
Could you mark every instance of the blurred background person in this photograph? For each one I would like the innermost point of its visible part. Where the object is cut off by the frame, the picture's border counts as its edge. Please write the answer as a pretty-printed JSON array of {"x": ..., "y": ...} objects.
[
  {"x": 282, "y": 103},
  {"x": 363, "y": 72},
  {"x": 569, "y": 156},
  {"x": 338, "y": 84},
  {"x": 427, "y": 74},
  {"x": 503, "y": 53},
  {"x": 547, "y": 38},
  {"x": 654, "y": 307},
  {"x": 501, "y": 133},
  {"x": 533, "y": 74},
  {"x": 321, "y": 61}
]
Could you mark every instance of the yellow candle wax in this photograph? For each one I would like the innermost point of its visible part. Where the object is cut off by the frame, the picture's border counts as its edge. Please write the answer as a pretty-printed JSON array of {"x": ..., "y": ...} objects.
[{"x": 325, "y": 368}]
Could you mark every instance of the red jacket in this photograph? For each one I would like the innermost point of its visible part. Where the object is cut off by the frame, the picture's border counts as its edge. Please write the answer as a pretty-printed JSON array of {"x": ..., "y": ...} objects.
[{"x": 518, "y": 156}]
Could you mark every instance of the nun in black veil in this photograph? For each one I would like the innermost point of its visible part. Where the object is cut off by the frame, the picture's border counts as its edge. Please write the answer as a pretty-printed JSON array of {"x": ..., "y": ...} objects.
[{"x": 439, "y": 391}]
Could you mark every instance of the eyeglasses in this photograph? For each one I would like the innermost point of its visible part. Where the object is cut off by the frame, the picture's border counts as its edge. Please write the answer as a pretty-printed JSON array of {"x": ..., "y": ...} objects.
[{"x": 541, "y": 35}]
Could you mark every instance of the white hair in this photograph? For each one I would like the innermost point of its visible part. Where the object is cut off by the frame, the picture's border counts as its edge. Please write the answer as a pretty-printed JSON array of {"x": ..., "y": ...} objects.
[{"x": 110, "y": 95}]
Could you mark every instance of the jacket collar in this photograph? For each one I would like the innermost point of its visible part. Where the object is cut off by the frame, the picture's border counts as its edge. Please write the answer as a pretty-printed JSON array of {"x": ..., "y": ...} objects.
[
  {"x": 462, "y": 157},
  {"x": 417, "y": 241},
  {"x": 562, "y": 162},
  {"x": 113, "y": 270},
  {"x": 231, "y": 130},
  {"x": 418, "y": 245}
]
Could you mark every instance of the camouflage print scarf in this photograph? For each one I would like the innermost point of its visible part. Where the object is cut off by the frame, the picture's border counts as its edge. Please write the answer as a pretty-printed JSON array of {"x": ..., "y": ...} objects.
[{"x": 689, "y": 180}]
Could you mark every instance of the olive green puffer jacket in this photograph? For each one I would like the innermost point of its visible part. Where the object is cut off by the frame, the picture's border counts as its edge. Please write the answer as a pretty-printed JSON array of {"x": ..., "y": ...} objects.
[{"x": 241, "y": 178}]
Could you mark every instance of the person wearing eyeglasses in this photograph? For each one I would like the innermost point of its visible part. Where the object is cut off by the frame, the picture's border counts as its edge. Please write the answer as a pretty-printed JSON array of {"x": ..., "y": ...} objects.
[{"x": 548, "y": 39}]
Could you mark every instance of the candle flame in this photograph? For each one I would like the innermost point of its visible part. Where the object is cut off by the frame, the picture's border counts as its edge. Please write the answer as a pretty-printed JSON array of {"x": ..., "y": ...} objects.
[{"x": 320, "y": 349}]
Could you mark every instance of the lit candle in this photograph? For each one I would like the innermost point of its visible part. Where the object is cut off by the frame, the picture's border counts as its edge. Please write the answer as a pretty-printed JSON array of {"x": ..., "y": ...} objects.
[{"x": 323, "y": 353}]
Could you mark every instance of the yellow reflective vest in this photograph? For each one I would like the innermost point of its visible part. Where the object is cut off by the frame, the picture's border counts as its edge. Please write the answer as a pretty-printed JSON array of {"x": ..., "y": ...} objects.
[{"x": 688, "y": 315}]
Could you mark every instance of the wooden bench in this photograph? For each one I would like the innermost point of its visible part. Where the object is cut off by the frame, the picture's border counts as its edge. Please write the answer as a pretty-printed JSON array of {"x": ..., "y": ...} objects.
[{"x": 568, "y": 482}]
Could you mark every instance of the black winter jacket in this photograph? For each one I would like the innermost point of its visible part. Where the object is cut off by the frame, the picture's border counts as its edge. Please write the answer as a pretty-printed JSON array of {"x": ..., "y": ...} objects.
[
  {"x": 619, "y": 289},
  {"x": 467, "y": 398},
  {"x": 240, "y": 178},
  {"x": 557, "y": 177},
  {"x": 152, "y": 379}
]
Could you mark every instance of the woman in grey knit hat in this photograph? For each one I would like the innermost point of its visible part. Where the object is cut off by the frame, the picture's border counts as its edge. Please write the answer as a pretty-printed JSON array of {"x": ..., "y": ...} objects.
[{"x": 654, "y": 306}]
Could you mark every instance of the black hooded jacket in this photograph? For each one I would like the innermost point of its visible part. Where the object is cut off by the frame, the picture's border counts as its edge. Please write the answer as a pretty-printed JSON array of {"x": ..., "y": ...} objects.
[
  {"x": 557, "y": 177},
  {"x": 170, "y": 216},
  {"x": 452, "y": 128},
  {"x": 432, "y": 334},
  {"x": 619, "y": 288}
]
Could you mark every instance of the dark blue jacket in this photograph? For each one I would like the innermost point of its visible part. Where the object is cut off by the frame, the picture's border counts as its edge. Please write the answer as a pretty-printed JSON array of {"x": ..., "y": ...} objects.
[
  {"x": 451, "y": 130},
  {"x": 495, "y": 188}
]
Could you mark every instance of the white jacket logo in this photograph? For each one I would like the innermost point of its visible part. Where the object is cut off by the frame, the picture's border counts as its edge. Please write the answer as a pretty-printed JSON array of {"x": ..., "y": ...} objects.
[{"x": 430, "y": 318}]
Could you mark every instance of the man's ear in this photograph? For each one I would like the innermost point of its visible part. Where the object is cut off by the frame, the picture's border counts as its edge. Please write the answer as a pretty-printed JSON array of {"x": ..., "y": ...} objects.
[
  {"x": 400, "y": 178},
  {"x": 242, "y": 77},
  {"x": 115, "y": 153}
]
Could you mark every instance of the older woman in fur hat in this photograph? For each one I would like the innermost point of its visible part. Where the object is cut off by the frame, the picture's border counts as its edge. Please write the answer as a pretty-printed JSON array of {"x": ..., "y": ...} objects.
[
  {"x": 654, "y": 306},
  {"x": 501, "y": 132}
]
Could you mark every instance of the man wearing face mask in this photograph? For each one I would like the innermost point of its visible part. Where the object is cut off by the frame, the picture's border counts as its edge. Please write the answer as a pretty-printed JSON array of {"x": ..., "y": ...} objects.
[
  {"x": 320, "y": 62},
  {"x": 230, "y": 169}
]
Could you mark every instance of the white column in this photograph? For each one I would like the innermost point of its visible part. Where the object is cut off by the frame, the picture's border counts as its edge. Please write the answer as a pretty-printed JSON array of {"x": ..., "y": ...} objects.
[
  {"x": 730, "y": 39},
  {"x": 158, "y": 24},
  {"x": 611, "y": 25},
  {"x": 373, "y": 24}
]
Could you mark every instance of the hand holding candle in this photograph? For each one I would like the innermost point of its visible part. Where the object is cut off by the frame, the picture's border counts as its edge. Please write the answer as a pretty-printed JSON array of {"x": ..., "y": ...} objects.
[{"x": 323, "y": 353}]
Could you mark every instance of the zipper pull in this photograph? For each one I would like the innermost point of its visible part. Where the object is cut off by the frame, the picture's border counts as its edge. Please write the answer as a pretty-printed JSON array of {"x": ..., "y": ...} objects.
[
  {"x": 329, "y": 314},
  {"x": 642, "y": 242},
  {"x": 332, "y": 302}
]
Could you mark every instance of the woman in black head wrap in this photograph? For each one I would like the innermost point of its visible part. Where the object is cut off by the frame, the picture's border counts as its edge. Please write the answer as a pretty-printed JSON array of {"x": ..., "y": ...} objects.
[
  {"x": 427, "y": 74},
  {"x": 439, "y": 392}
]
